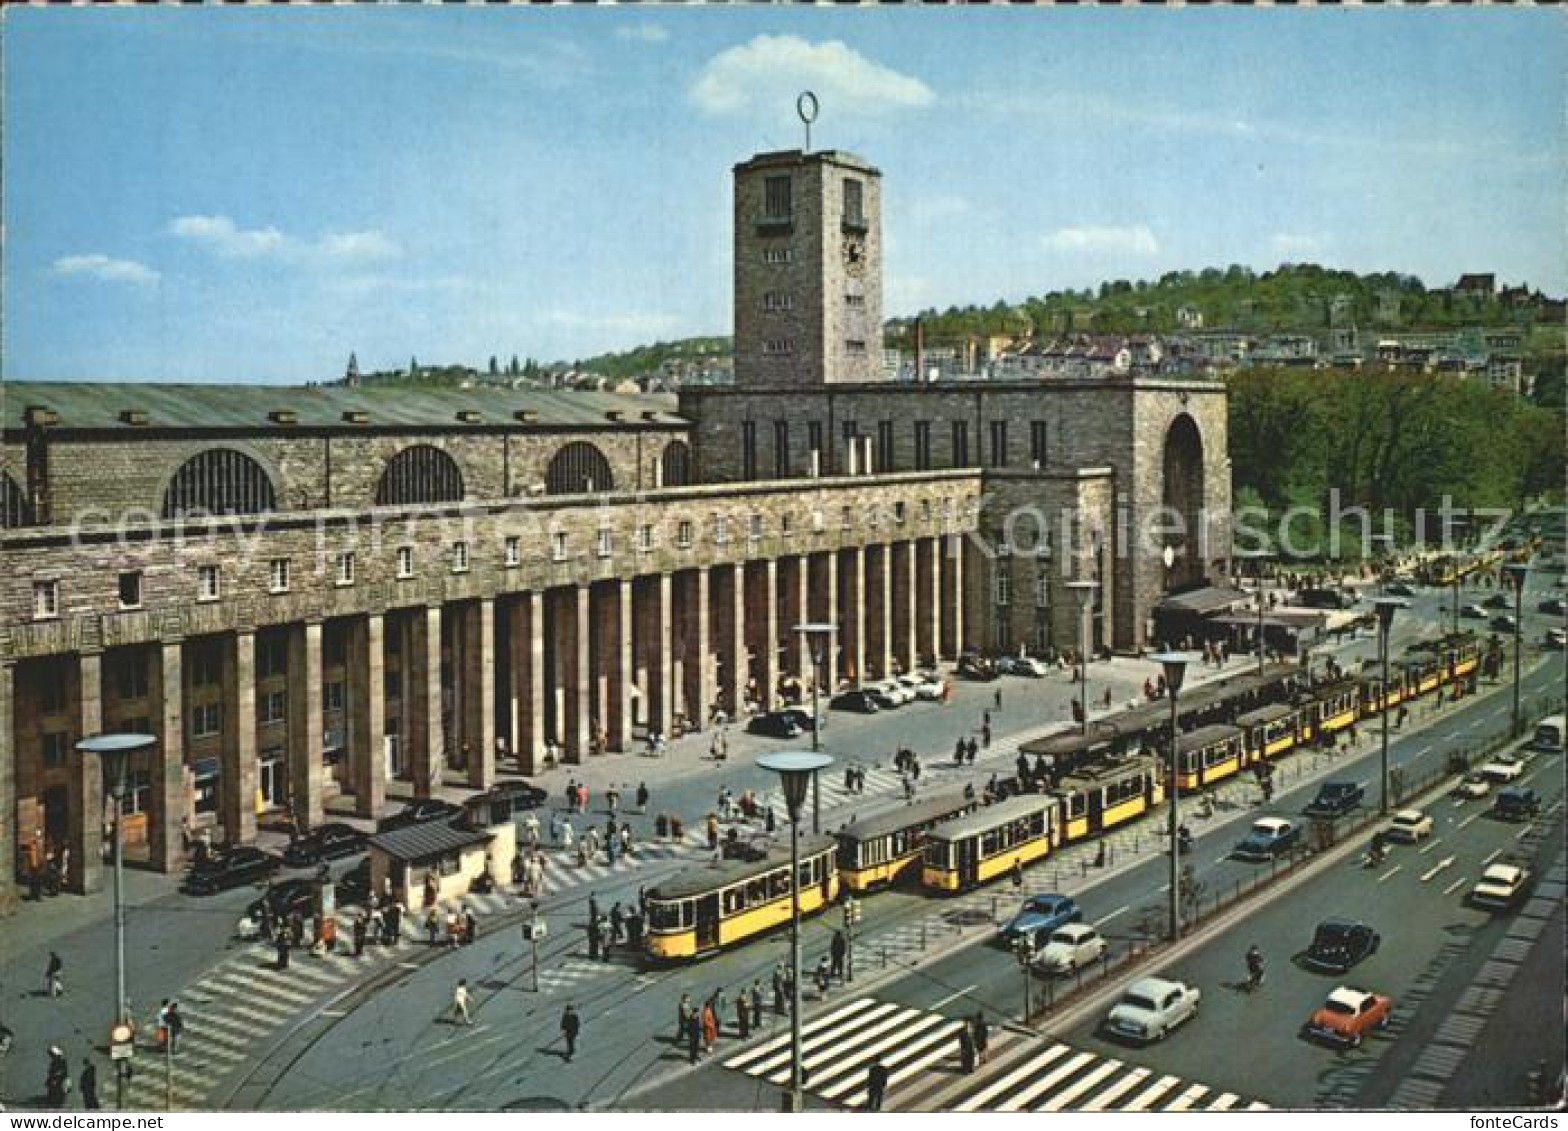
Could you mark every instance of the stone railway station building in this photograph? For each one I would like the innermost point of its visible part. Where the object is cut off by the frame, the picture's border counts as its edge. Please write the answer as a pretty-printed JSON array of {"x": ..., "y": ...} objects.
[{"x": 317, "y": 595}]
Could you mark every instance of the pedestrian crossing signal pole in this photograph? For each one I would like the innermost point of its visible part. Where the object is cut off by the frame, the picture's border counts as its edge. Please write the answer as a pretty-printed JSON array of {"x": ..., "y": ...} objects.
[
  {"x": 851, "y": 917},
  {"x": 533, "y": 931}
]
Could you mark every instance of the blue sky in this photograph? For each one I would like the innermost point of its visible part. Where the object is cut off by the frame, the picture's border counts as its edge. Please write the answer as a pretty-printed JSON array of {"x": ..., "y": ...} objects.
[{"x": 249, "y": 195}]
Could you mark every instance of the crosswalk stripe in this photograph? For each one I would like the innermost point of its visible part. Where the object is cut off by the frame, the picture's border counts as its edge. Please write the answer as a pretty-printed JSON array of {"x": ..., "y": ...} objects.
[
  {"x": 1023, "y": 1100},
  {"x": 1117, "y": 1090},
  {"x": 1224, "y": 1103},
  {"x": 232, "y": 984},
  {"x": 913, "y": 1058},
  {"x": 1185, "y": 1101},
  {"x": 978, "y": 1101},
  {"x": 762, "y": 1050},
  {"x": 256, "y": 1010},
  {"x": 1090, "y": 1081},
  {"x": 839, "y": 1049},
  {"x": 819, "y": 1040},
  {"x": 871, "y": 1043},
  {"x": 1153, "y": 1092}
]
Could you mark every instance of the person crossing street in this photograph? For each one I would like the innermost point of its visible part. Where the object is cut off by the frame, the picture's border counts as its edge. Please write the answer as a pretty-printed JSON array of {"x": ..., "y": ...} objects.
[
  {"x": 460, "y": 1003},
  {"x": 571, "y": 1025}
]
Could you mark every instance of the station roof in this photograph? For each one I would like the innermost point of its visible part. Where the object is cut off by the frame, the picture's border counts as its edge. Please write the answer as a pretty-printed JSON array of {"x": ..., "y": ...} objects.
[
  {"x": 428, "y": 840},
  {"x": 93, "y": 405}
]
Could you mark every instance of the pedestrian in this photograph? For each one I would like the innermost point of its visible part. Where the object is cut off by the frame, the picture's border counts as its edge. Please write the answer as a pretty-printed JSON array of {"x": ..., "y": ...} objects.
[
  {"x": 981, "y": 1032},
  {"x": 824, "y": 975},
  {"x": 617, "y": 923},
  {"x": 612, "y": 799},
  {"x": 570, "y": 1026},
  {"x": 470, "y": 926},
  {"x": 778, "y": 988},
  {"x": 713, "y": 832},
  {"x": 460, "y": 1003},
  {"x": 756, "y": 1003},
  {"x": 694, "y": 1036},
  {"x": 642, "y": 797},
  {"x": 742, "y": 1015},
  {"x": 89, "y": 1081},
  {"x": 566, "y": 834},
  {"x": 768, "y": 819},
  {"x": 998, "y": 700},
  {"x": 985, "y": 736},
  {"x": 683, "y": 1009},
  {"x": 876, "y": 1084},
  {"x": 392, "y": 924},
  {"x": 966, "y": 1051},
  {"x": 710, "y": 1026},
  {"x": 593, "y": 939},
  {"x": 174, "y": 1021},
  {"x": 361, "y": 922},
  {"x": 1018, "y": 874},
  {"x": 1107, "y": 699},
  {"x": 839, "y": 947},
  {"x": 454, "y": 929},
  {"x": 433, "y": 927},
  {"x": 57, "y": 1082},
  {"x": 283, "y": 950},
  {"x": 604, "y": 939},
  {"x": 54, "y": 983}
]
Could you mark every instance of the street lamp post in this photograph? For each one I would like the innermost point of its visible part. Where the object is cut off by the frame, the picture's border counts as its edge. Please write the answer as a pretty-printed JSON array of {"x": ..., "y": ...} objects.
[
  {"x": 115, "y": 750},
  {"x": 1084, "y": 591},
  {"x": 1386, "y": 608},
  {"x": 808, "y": 631},
  {"x": 1257, "y": 558},
  {"x": 1175, "y": 665},
  {"x": 796, "y": 768},
  {"x": 851, "y": 920},
  {"x": 1386, "y": 544},
  {"x": 1516, "y": 573}
]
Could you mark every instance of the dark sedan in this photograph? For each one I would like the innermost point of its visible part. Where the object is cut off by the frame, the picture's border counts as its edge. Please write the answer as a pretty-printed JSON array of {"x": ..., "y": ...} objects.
[
  {"x": 418, "y": 811},
  {"x": 856, "y": 700},
  {"x": 229, "y": 869},
  {"x": 776, "y": 724},
  {"x": 1401, "y": 589},
  {"x": 324, "y": 842},
  {"x": 1338, "y": 944},
  {"x": 1497, "y": 601},
  {"x": 285, "y": 898}
]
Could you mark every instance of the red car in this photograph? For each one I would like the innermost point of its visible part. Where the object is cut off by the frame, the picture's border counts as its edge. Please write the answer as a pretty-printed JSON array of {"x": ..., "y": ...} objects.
[{"x": 1344, "y": 1018}]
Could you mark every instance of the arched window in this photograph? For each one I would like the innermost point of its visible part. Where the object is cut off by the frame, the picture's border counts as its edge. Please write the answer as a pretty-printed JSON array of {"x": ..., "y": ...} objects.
[
  {"x": 420, "y": 474},
  {"x": 14, "y": 508},
  {"x": 675, "y": 464},
  {"x": 219, "y": 481},
  {"x": 578, "y": 468}
]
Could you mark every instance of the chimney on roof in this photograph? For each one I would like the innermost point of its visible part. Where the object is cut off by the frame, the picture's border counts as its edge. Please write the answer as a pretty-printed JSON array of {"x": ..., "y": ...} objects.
[
  {"x": 469, "y": 416},
  {"x": 283, "y": 416},
  {"x": 615, "y": 414},
  {"x": 133, "y": 416},
  {"x": 356, "y": 416},
  {"x": 526, "y": 416}
]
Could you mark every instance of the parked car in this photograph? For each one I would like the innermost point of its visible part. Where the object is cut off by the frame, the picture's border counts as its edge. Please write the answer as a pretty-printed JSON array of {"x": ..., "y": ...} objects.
[
  {"x": 1410, "y": 826},
  {"x": 1555, "y": 638},
  {"x": 1338, "y": 944},
  {"x": 1038, "y": 917},
  {"x": 1268, "y": 838},
  {"x": 353, "y": 886},
  {"x": 1515, "y": 803},
  {"x": 972, "y": 665},
  {"x": 855, "y": 699},
  {"x": 236, "y": 866},
  {"x": 324, "y": 842},
  {"x": 1473, "y": 785},
  {"x": 418, "y": 811},
  {"x": 1501, "y": 887},
  {"x": 284, "y": 898},
  {"x": 1401, "y": 589},
  {"x": 1324, "y": 599},
  {"x": 888, "y": 698},
  {"x": 1347, "y": 1015},
  {"x": 775, "y": 724},
  {"x": 1151, "y": 1007},
  {"x": 1503, "y": 623},
  {"x": 1335, "y": 799},
  {"x": 1503, "y": 768},
  {"x": 1497, "y": 601},
  {"x": 1473, "y": 612},
  {"x": 1025, "y": 666},
  {"x": 1069, "y": 947},
  {"x": 928, "y": 685},
  {"x": 801, "y": 717},
  {"x": 503, "y": 799},
  {"x": 1553, "y": 606}
]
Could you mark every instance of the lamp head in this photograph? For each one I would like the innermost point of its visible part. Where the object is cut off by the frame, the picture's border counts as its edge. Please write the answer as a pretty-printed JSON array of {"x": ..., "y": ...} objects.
[
  {"x": 1516, "y": 573},
  {"x": 795, "y": 769},
  {"x": 1386, "y": 608},
  {"x": 1175, "y": 665},
  {"x": 115, "y": 750}
]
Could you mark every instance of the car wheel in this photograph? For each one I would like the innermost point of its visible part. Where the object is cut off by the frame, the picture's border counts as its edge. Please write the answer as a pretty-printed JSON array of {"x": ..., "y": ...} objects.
[
  {"x": 1160, "y": 1035},
  {"x": 1387, "y": 1017},
  {"x": 1355, "y": 1040}
]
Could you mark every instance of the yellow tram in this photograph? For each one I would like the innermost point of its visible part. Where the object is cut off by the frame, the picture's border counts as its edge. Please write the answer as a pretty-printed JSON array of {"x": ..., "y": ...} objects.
[
  {"x": 973, "y": 850},
  {"x": 878, "y": 850},
  {"x": 703, "y": 910},
  {"x": 1098, "y": 797},
  {"x": 1208, "y": 754},
  {"x": 1273, "y": 730}
]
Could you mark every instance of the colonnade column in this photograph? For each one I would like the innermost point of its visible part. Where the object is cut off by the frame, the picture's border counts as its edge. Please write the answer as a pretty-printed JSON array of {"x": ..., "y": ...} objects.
[
  {"x": 852, "y": 634},
  {"x": 304, "y": 712},
  {"x": 165, "y": 846},
  {"x": 426, "y": 756},
  {"x": 615, "y": 657},
  {"x": 239, "y": 774},
  {"x": 698, "y": 633},
  {"x": 572, "y": 670},
  {"x": 656, "y": 652},
  {"x": 478, "y": 674},
  {"x": 878, "y": 637},
  {"x": 797, "y": 602},
  {"x": 366, "y": 689},
  {"x": 928, "y": 608},
  {"x": 8, "y": 829},
  {"x": 731, "y": 597},
  {"x": 87, "y": 798},
  {"x": 527, "y": 691},
  {"x": 762, "y": 617},
  {"x": 904, "y": 604},
  {"x": 953, "y": 559},
  {"x": 824, "y": 602}
]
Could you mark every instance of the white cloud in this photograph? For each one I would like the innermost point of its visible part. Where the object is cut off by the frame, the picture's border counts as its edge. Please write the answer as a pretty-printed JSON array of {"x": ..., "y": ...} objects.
[
  {"x": 1134, "y": 240},
  {"x": 773, "y": 69},
  {"x": 642, "y": 33},
  {"x": 221, "y": 236},
  {"x": 103, "y": 267},
  {"x": 1288, "y": 243}
]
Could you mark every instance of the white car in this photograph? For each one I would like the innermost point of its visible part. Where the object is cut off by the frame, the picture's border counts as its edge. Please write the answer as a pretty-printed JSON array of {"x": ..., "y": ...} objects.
[
  {"x": 1069, "y": 947},
  {"x": 1410, "y": 826},
  {"x": 1024, "y": 665},
  {"x": 1504, "y": 767},
  {"x": 894, "y": 690},
  {"x": 928, "y": 685},
  {"x": 1473, "y": 785},
  {"x": 1500, "y": 886},
  {"x": 1151, "y": 1008}
]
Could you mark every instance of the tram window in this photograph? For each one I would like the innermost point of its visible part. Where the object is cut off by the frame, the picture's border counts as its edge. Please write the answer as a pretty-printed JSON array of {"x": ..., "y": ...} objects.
[
  {"x": 756, "y": 892},
  {"x": 778, "y": 883},
  {"x": 1036, "y": 823},
  {"x": 665, "y": 916},
  {"x": 734, "y": 900},
  {"x": 1077, "y": 804}
]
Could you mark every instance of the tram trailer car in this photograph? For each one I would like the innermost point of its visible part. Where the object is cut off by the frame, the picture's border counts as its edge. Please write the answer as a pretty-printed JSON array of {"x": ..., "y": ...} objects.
[{"x": 878, "y": 851}]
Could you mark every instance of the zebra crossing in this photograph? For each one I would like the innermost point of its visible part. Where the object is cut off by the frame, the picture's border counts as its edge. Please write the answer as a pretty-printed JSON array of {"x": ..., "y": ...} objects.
[{"x": 919, "y": 1050}]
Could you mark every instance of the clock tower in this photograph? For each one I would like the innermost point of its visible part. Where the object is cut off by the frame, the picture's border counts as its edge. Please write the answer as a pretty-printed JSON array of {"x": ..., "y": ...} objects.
[{"x": 808, "y": 270}]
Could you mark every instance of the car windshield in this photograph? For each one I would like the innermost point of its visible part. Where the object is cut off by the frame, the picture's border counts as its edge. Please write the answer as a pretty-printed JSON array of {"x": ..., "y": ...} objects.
[
  {"x": 1068, "y": 937},
  {"x": 1138, "y": 1001},
  {"x": 1041, "y": 906},
  {"x": 1332, "y": 934}
]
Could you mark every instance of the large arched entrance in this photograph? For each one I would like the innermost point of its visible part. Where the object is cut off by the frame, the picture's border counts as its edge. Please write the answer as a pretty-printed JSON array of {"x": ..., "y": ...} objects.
[{"x": 1183, "y": 496}]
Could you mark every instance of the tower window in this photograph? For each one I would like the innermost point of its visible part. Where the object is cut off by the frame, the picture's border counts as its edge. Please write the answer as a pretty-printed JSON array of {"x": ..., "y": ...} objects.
[
  {"x": 855, "y": 345},
  {"x": 781, "y": 449},
  {"x": 778, "y": 346},
  {"x": 778, "y": 300},
  {"x": 854, "y": 202},
  {"x": 960, "y": 443},
  {"x": 998, "y": 443},
  {"x": 1037, "y": 442},
  {"x": 778, "y": 203},
  {"x": 748, "y": 449},
  {"x": 46, "y": 600},
  {"x": 884, "y": 445},
  {"x": 922, "y": 445},
  {"x": 777, "y": 255},
  {"x": 131, "y": 590},
  {"x": 855, "y": 300}
]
